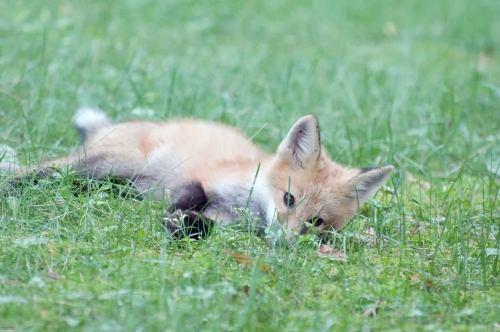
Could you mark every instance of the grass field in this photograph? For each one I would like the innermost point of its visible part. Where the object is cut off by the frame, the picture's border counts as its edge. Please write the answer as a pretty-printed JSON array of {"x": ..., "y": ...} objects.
[{"x": 411, "y": 83}]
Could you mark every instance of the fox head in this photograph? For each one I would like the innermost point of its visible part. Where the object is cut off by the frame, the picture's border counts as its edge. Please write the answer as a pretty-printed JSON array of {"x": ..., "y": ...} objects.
[{"x": 311, "y": 192}]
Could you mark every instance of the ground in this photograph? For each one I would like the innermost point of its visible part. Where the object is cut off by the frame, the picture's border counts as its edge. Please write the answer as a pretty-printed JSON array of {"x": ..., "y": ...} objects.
[{"x": 412, "y": 83}]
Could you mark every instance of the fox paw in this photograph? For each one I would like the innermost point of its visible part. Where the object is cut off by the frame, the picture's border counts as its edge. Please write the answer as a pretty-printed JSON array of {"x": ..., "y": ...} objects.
[{"x": 187, "y": 224}]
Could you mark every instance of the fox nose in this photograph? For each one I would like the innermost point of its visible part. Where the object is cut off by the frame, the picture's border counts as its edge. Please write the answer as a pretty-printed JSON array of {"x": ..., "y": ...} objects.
[
  {"x": 316, "y": 222},
  {"x": 304, "y": 230}
]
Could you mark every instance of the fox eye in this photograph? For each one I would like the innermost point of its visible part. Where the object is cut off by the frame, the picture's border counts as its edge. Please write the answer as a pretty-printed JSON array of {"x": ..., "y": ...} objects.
[
  {"x": 318, "y": 222},
  {"x": 289, "y": 200}
]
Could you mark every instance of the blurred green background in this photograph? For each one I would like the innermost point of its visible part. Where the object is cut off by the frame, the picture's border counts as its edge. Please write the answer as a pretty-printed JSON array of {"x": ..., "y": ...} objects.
[{"x": 384, "y": 78}]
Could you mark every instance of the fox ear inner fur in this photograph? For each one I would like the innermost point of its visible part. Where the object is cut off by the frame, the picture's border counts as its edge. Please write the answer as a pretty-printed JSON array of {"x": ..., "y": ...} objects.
[
  {"x": 369, "y": 181},
  {"x": 302, "y": 145}
]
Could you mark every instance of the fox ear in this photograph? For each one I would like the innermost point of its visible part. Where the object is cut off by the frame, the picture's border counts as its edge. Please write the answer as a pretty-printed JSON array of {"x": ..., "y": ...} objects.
[
  {"x": 302, "y": 145},
  {"x": 369, "y": 181}
]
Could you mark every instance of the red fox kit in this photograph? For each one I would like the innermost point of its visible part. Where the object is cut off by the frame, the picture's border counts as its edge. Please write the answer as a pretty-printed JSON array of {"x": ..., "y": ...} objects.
[{"x": 212, "y": 174}]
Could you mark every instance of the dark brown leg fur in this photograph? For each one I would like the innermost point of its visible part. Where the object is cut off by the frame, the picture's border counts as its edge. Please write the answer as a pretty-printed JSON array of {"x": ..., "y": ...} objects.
[
  {"x": 186, "y": 220},
  {"x": 187, "y": 224}
]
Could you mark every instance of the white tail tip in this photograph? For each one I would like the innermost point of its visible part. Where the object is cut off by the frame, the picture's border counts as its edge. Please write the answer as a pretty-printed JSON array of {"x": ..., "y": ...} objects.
[{"x": 89, "y": 119}]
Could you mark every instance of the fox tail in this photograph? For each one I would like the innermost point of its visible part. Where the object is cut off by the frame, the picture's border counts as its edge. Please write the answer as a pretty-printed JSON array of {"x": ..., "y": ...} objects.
[{"x": 88, "y": 120}]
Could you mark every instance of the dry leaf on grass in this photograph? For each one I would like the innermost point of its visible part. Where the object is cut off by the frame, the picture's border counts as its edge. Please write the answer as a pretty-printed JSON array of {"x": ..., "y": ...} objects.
[
  {"x": 496, "y": 326},
  {"x": 414, "y": 277},
  {"x": 240, "y": 258},
  {"x": 428, "y": 284},
  {"x": 247, "y": 261},
  {"x": 372, "y": 312},
  {"x": 53, "y": 275},
  {"x": 420, "y": 229},
  {"x": 325, "y": 250},
  {"x": 424, "y": 284}
]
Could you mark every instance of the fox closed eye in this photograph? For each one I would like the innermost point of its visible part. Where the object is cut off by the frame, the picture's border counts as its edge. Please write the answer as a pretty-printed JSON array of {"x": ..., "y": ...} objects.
[
  {"x": 289, "y": 200},
  {"x": 317, "y": 222}
]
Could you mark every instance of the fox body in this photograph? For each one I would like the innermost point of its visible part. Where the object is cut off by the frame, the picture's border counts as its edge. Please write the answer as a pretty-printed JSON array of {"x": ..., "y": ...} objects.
[{"x": 212, "y": 174}]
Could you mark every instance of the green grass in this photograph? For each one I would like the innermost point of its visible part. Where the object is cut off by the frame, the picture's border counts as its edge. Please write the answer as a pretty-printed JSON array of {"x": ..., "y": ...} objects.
[{"x": 411, "y": 83}]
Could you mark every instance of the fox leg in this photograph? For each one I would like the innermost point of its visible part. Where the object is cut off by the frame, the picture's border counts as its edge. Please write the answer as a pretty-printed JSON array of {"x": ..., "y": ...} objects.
[
  {"x": 187, "y": 224},
  {"x": 88, "y": 166},
  {"x": 16, "y": 174},
  {"x": 184, "y": 217},
  {"x": 82, "y": 165}
]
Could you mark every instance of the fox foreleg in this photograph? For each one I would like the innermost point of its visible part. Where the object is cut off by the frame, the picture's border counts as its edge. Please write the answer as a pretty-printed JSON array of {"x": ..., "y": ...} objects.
[
  {"x": 187, "y": 224},
  {"x": 183, "y": 218}
]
